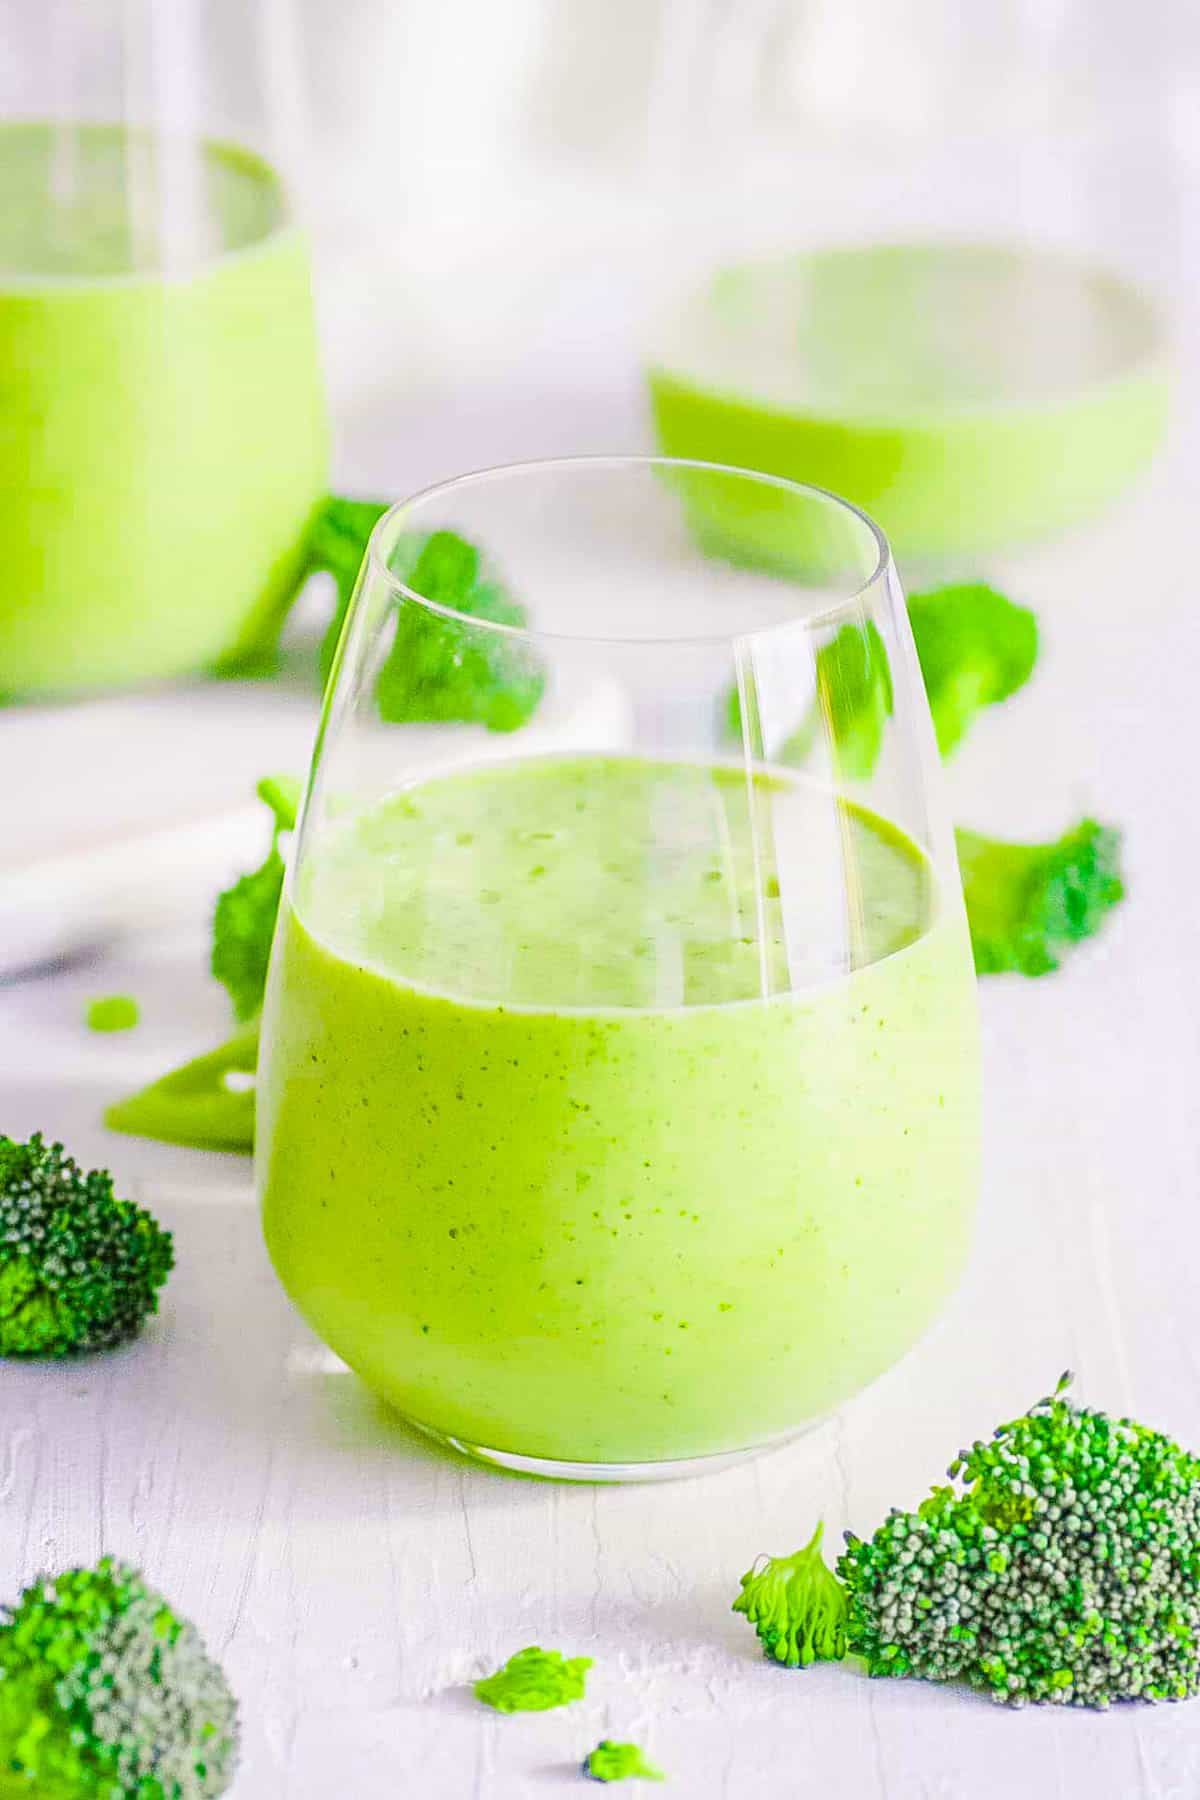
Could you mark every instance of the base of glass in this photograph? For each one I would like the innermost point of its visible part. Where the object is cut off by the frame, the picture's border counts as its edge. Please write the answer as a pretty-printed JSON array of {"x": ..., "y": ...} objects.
[{"x": 545, "y": 1468}]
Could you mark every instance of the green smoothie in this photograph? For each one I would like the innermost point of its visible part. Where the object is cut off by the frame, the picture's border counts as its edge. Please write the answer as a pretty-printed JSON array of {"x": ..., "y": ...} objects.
[
  {"x": 162, "y": 430},
  {"x": 538, "y": 1158},
  {"x": 970, "y": 397}
]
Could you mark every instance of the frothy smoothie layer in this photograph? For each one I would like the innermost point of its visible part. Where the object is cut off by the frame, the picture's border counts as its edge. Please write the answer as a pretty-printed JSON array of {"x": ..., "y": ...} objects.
[
  {"x": 162, "y": 434},
  {"x": 540, "y": 1160}
]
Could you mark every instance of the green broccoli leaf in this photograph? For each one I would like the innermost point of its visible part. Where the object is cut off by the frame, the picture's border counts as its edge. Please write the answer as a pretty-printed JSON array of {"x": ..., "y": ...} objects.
[
  {"x": 975, "y": 649},
  {"x": 1028, "y": 904},
  {"x": 244, "y": 919},
  {"x": 439, "y": 669},
  {"x": 208, "y": 1103}
]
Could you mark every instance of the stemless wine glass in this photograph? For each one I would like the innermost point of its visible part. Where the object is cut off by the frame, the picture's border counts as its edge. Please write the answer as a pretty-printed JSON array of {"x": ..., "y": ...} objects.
[
  {"x": 618, "y": 1102},
  {"x": 162, "y": 429}
]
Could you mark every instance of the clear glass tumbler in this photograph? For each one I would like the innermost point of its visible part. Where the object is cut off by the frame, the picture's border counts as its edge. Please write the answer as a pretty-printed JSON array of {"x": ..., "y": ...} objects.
[
  {"x": 162, "y": 424},
  {"x": 619, "y": 1092}
]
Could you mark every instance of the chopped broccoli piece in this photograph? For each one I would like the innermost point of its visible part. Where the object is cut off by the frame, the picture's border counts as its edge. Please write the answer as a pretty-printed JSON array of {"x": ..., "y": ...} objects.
[
  {"x": 534, "y": 1680},
  {"x": 80, "y": 1270},
  {"x": 854, "y": 702},
  {"x": 208, "y": 1103},
  {"x": 244, "y": 919},
  {"x": 854, "y": 685},
  {"x": 1027, "y": 904},
  {"x": 1062, "y": 1567},
  {"x": 440, "y": 669},
  {"x": 115, "y": 1012},
  {"x": 106, "y": 1694},
  {"x": 619, "y": 1762},
  {"x": 336, "y": 546},
  {"x": 437, "y": 669},
  {"x": 797, "y": 1606},
  {"x": 975, "y": 649}
]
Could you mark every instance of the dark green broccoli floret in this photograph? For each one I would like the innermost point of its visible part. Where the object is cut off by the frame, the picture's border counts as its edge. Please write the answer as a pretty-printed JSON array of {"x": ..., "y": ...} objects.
[
  {"x": 619, "y": 1762},
  {"x": 245, "y": 914},
  {"x": 80, "y": 1270},
  {"x": 1027, "y": 904},
  {"x": 534, "y": 1680},
  {"x": 336, "y": 546},
  {"x": 439, "y": 669},
  {"x": 797, "y": 1606},
  {"x": 106, "y": 1694},
  {"x": 1062, "y": 1567},
  {"x": 975, "y": 648},
  {"x": 208, "y": 1103},
  {"x": 115, "y": 1012}
]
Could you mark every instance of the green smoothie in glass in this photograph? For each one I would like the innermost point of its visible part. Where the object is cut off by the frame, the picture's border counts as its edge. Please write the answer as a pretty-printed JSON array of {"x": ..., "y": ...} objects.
[
  {"x": 542, "y": 1163},
  {"x": 162, "y": 427},
  {"x": 970, "y": 396}
]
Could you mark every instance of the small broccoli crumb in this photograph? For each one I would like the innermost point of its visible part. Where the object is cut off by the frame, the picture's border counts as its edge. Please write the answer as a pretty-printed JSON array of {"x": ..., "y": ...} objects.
[
  {"x": 106, "y": 1694},
  {"x": 208, "y": 1103},
  {"x": 797, "y": 1606},
  {"x": 115, "y": 1012},
  {"x": 244, "y": 918},
  {"x": 80, "y": 1270},
  {"x": 1062, "y": 1567},
  {"x": 534, "y": 1680},
  {"x": 619, "y": 1762},
  {"x": 1029, "y": 904}
]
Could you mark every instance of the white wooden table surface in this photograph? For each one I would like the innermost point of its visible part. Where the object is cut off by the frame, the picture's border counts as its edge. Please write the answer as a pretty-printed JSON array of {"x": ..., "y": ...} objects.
[{"x": 353, "y": 1580}]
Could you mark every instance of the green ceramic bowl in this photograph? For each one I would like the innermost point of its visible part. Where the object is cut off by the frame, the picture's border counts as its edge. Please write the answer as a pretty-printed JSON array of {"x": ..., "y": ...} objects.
[{"x": 969, "y": 397}]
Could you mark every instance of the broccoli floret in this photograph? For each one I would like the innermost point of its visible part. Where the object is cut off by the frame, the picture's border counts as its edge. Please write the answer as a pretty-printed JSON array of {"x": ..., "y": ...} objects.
[
  {"x": 975, "y": 648},
  {"x": 853, "y": 705},
  {"x": 115, "y": 1012},
  {"x": 80, "y": 1270},
  {"x": 244, "y": 918},
  {"x": 106, "y": 1694},
  {"x": 439, "y": 669},
  {"x": 797, "y": 1606},
  {"x": 208, "y": 1103},
  {"x": 1062, "y": 1567},
  {"x": 336, "y": 546},
  {"x": 1027, "y": 904},
  {"x": 854, "y": 685},
  {"x": 619, "y": 1762},
  {"x": 534, "y": 1680}
]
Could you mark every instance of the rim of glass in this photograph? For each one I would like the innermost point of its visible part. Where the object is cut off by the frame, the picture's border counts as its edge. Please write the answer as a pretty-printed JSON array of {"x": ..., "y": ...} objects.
[{"x": 377, "y": 565}]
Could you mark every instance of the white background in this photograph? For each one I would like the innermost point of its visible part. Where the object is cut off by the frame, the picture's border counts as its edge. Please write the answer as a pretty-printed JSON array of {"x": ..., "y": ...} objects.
[{"x": 497, "y": 193}]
